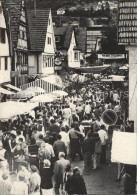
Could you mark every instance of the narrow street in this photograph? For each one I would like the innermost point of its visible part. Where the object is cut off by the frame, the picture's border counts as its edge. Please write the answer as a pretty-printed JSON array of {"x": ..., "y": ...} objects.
[{"x": 101, "y": 181}]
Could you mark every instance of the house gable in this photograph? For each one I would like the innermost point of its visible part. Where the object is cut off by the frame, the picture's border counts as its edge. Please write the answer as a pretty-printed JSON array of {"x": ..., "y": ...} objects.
[
  {"x": 73, "y": 53},
  {"x": 22, "y": 35},
  {"x": 50, "y": 39}
]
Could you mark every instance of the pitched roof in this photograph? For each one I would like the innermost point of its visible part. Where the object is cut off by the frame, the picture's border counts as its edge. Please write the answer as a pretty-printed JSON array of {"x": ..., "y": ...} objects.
[
  {"x": 12, "y": 11},
  {"x": 66, "y": 33},
  {"x": 37, "y": 27},
  {"x": 81, "y": 38},
  {"x": 127, "y": 22},
  {"x": 60, "y": 30}
]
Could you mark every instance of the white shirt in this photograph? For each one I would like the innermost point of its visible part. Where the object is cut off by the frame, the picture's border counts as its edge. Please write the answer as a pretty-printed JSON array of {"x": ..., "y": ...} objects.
[
  {"x": 87, "y": 109},
  {"x": 66, "y": 113},
  {"x": 73, "y": 108},
  {"x": 19, "y": 188},
  {"x": 116, "y": 97},
  {"x": 103, "y": 136},
  {"x": 20, "y": 136},
  {"x": 64, "y": 137},
  {"x": 49, "y": 148}
]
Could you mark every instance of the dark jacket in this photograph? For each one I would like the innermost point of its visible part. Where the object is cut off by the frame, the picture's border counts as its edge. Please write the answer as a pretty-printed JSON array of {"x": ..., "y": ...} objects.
[
  {"x": 54, "y": 128},
  {"x": 88, "y": 146},
  {"x": 59, "y": 146},
  {"x": 46, "y": 178},
  {"x": 76, "y": 185}
]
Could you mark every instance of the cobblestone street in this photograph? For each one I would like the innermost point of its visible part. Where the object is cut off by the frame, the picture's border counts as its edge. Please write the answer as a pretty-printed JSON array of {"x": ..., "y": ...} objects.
[{"x": 101, "y": 181}]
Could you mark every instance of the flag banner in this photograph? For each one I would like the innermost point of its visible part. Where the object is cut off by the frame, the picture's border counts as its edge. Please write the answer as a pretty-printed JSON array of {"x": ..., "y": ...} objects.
[{"x": 124, "y": 148}]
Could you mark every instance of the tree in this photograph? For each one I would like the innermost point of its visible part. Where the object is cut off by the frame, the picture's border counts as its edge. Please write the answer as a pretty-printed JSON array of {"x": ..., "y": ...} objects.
[{"x": 74, "y": 84}]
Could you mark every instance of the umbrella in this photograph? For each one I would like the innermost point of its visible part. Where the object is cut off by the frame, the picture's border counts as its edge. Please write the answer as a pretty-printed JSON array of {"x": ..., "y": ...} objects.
[
  {"x": 117, "y": 77},
  {"x": 36, "y": 89},
  {"x": 11, "y": 108},
  {"x": 24, "y": 94},
  {"x": 43, "y": 98},
  {"x": 97, "y": 75},
  {"x": 59, "y": 93},
  {"x": 125, "y": 67},
  {"x": 77, "y": 77}
]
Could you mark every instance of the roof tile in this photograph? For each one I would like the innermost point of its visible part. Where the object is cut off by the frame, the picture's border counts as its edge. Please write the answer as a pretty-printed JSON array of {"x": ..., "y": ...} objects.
[
  {"x": 127, "y": 22},
  {"x": 37, "y": 27}
]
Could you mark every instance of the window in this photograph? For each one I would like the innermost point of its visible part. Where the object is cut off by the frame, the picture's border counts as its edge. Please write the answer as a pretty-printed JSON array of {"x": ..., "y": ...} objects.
[
  {"x": 2, "y": 35},
  {"x": 76, "y": 56},
  {"x": 49, "y": 40},
  {"x": 49, "y": 21},
  {"x": 23, "y": 34},
  {"x": 26, "y": 59},
  {"x": 6, "y": 63},
  {"x": 57, "y": 39},
  {"x": 19, "y": 58}
]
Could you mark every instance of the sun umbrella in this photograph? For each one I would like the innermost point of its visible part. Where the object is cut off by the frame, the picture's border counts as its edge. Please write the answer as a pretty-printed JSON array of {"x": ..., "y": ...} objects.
[
  {"x": 24, "y": 94},
  {"x": 77, "y": 77},
  {"x": 36, "y": 89},
  {"x": 11, "y": 108},
  {"x": 43, "y": 98},
  {"x": 125, "y": 67},
  {"x": 59, "y": 93},
  {"x": 117, "y": 77}
]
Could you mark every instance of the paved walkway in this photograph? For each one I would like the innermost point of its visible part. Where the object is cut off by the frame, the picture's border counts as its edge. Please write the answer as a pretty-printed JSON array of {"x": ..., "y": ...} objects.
[{"x": 100, "y": 181}]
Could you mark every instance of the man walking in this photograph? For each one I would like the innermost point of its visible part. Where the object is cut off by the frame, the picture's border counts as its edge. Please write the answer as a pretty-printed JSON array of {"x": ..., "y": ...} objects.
[{"x": 104, "y": 137}]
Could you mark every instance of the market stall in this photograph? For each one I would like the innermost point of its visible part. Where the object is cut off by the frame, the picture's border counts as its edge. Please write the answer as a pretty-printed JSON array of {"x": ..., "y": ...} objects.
[{"x": 12, "y": 108}]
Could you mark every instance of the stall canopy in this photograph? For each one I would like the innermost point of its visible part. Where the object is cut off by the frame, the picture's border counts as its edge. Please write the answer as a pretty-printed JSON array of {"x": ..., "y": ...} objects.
[
  {"x": 37, "y": 90},
  {"x": 117, "y": 77},
  {"x": 77, "y": 77},
  {"x": 4, "y": 91},
  {"x": 59, "y": 93},
  {"x": 11, "y": 109},
  {"x": 12, "y": 87},
  {"x": 125, "y": 67},
  {"x": 24, "y": 94},
  {"x": 44, "y": 98},
  {"x": 54, "y": 79},
  {"x": 93, "y": 69}
]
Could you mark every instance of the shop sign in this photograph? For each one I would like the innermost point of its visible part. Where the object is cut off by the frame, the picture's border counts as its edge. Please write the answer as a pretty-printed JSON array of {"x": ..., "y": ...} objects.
[{"x": 111, "y": 56}]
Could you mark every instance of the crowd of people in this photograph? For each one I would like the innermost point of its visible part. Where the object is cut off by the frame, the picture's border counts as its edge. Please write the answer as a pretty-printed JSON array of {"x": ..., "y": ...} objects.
[{"x": 38, "y": 148}]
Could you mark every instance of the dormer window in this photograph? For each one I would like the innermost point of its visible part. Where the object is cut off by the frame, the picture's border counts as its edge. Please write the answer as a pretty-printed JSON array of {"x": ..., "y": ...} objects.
[{"x": 57, "y": 39}]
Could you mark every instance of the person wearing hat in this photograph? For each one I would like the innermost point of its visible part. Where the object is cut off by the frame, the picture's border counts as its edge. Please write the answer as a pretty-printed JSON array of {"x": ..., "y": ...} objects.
[
  {"x": 5, "y": 184},
  {"x": 75, "y": 184}
]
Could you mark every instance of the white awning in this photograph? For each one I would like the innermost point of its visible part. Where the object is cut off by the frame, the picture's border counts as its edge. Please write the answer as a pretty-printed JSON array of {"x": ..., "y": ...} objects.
[
  {"x": 15, "y": 108},
  {"x": 5, "y": 91},
  {"x": 53, "y": 79},
  {"x": 13, "y": 87}
]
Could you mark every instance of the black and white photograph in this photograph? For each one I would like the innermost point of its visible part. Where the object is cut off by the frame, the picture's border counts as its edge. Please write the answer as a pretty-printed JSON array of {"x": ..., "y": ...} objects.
[{"x": 68, "y": 97}]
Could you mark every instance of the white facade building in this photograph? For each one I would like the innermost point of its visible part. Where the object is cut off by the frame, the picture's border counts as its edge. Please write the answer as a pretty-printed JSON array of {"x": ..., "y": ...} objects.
[
  {"x": 5, "y": 61},
  {"x": 42, "y": 43}
]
